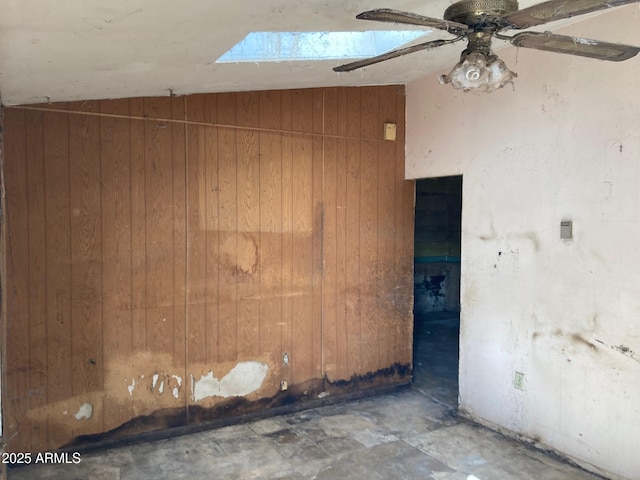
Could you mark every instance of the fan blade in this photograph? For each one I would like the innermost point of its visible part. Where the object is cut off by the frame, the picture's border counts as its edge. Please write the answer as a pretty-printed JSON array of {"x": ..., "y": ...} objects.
[
  {"x": 582, "y": 47},
  {"x": 556, "y": 10},
  {"x": 392, "y": 54},
  {"x": 395, "y": 16}
]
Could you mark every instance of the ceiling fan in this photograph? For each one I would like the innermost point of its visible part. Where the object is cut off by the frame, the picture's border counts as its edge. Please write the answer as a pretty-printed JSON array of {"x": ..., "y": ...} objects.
[{"x": 478, "y": 21}]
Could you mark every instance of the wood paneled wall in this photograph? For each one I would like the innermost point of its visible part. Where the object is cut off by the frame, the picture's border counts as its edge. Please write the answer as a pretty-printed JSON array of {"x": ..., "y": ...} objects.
[{"x": 153, "y": 243}]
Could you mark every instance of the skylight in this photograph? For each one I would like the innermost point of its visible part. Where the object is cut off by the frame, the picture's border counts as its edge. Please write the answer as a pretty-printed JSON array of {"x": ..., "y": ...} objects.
[{"x": 296, "y": 46}]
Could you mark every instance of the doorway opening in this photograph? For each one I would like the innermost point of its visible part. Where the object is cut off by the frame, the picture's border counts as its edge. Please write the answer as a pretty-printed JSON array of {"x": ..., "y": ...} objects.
[{"x": 438, "y": 220}]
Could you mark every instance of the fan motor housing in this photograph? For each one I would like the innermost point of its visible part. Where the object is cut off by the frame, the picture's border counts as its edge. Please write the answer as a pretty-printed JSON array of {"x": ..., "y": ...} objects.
[{"x": 480, "y": 14}]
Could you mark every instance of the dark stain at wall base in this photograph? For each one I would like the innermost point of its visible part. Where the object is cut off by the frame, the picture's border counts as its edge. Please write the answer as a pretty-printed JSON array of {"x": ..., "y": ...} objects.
[
  {"x": 390, "y": 374},
  {"x": 171, "y": 422}
]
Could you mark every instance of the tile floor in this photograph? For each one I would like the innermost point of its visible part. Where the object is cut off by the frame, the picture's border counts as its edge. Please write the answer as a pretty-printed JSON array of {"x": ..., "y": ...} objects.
[{"x": 412, "y": 433}]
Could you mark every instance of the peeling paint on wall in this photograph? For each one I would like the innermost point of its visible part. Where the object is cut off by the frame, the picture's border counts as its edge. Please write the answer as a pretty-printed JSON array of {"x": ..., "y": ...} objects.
[
  {"x": 157, "y": 383},
  {"x": 176, "y": 390},
  {"x": 243, "y": 379},
  {"x": 86, "y": 411}
]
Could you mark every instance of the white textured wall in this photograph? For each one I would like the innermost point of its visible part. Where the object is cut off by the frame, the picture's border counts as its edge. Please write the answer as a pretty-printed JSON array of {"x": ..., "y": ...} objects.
[{"x": 564, "y": 145}]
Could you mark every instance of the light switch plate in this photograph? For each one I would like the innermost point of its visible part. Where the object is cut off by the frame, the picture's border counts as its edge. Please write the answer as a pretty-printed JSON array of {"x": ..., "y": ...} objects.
[
  {"x": 389, "y": 131},
  {"x": 566, "y": 229}
]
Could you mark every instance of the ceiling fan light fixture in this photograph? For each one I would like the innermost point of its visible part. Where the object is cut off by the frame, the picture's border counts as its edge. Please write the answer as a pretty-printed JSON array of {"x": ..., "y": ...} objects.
[
  {"x": 479, "y": 21},
  {"x": 479, "y": 73}
]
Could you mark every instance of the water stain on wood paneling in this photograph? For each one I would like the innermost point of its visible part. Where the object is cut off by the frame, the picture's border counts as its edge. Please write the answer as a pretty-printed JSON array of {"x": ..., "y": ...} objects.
[
  {"x": 312, "y": 392},
  {"x": 154, "y": 243}
]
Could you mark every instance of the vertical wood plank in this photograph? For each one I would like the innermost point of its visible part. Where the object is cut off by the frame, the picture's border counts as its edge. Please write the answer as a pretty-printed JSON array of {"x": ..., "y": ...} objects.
[
  {"x": 86, "y": 262},
  {"x": 211, "y": 208},
  {"x": 352, "y": 265},
  {"x": 386, "y": 286},
  {"x": 138, "y": 229},
  {"x": 178, "y": 132},
  {"x": 341, "y": 240},
  {"x": 342, "y": 116},
  {"x": 370, "y": 127},
  {"x": 159, "y": 226},
  {"x": 330, "y": 246},
  {"x": 228, "y": 235},
  {"x": 317, "y": 115},
  {"x": 389, "y": 98},
  {"x": 196, "y": 234},
  {"x": 317, "y": 230},
  {"x": 405, "y": 337},
  {"x": 37, "y": 276},
  {"x": 17, "y": 426},
  {"x": 270, "y": 257},
  {"x": 405, "y": 353},
  {"x": 399, "y": 262},
  {"x": 58, "y": 252},
  {"x": 330, "y": 111},
  {"x": 248, "y": 246},
  {"x": 302, "y": 367},
  {"x": 287, "y": 230},
  {"x": 353, "y": 113},
  {"x": 400, "y": 93},
  {"x": 352, "y": 271},
  {"x": 369, "y": 314},
  {"x": 116, "y": 229}
]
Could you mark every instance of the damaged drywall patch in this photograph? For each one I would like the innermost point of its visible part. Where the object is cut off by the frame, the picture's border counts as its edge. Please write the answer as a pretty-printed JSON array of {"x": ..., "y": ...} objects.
[
  {"x": 86, "y": 411},
  {"x": 243, "y": 379}
]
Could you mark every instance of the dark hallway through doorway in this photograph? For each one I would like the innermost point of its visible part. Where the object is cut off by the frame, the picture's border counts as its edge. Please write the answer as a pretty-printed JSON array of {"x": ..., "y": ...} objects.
[{"x": 437, "y": 288}]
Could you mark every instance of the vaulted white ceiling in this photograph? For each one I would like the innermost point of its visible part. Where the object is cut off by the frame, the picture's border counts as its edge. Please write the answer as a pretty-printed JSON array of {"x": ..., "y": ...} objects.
[{"x": 87, "y": 49}]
